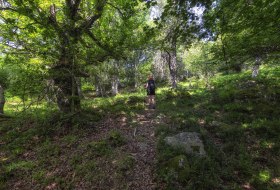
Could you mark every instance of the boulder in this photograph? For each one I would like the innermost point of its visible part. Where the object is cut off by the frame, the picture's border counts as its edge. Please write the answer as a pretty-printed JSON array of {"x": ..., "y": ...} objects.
[{"x": 190, "y": 142}]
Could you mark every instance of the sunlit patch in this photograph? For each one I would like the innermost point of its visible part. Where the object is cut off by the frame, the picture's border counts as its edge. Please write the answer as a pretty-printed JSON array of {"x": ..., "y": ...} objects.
[
  {"x": 267, "y": 144},
  {"x": 264, "y": 175},
  {"x": 3, "y": 159},
  {"x": 250, "y": 108},
  {"x": 247, "y": 186},
  {"x": 245, "y": 125},
  {"x": 201, "y": 121},
  {"x": 276, "y": 180}
]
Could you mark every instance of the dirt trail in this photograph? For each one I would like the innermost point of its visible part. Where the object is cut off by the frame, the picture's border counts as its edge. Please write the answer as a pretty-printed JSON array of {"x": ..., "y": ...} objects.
[
  {"x": 143, "y": 148},
  {"x": 139, "y": 133}
]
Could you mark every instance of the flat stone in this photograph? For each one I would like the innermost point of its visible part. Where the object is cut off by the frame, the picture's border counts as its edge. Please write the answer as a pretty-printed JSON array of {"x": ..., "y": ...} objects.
[{"x": 190, "y": 142}]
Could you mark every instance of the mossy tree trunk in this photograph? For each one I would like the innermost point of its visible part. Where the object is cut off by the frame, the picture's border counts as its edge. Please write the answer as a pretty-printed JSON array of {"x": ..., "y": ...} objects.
[
  {"x": 65, "y": 71},
  {"x": 2, "y": 100}
]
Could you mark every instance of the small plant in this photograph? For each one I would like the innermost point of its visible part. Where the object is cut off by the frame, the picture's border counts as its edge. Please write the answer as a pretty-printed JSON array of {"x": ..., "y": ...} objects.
[
  {"x": 125, "y": 164},
  {"x": 116, "y": 139},
  {"x": 100, "y": 148}
]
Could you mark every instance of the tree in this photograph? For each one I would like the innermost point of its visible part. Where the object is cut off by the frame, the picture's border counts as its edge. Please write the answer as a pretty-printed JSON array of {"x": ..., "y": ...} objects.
[
  {"x": 58, "y": 31},
  {"x": 200, "y": 61},
  {"x": 246, "y": 31},
  {"x": 3, "y": 85},
  {"x": 180, "y": 25}
]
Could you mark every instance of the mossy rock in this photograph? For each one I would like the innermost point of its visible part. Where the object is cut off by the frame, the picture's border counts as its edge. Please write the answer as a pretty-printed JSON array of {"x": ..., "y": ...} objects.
[{"x": 180, "y": 165}]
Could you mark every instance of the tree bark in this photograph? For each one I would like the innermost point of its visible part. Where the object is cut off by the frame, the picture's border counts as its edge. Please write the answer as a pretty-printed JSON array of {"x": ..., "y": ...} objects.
[
  {"x": 98, "y": 87},
  {"x": 2, "y": 100},
  {"x": 255, "y": 70},
  {"x": 172, "y": 63},
  {"x": 115, "y": 84},
  {"x": 79, "y": 86},
  {"x": 67, "y": 95},
  {"x": 69, "y": 33}
]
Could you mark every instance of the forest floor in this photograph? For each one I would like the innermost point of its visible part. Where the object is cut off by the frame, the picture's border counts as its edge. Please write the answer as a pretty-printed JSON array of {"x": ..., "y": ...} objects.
[
  {"x": 133, "y": 166},
  {"x": 117, "y": 153},
  {"x": 116, "y": 143}
]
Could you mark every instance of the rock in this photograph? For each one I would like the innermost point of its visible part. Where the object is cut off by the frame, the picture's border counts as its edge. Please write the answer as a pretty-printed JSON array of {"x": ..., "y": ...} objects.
[
  {"x": 190, "y": 142},
  {"x": 180, "y": 167}
]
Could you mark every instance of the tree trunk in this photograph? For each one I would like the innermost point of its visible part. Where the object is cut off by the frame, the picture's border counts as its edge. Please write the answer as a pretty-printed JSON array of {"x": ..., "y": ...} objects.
[
  {"x": 98, "y": 86},
  {"x": 50, "y": 91},
  {"x": 79, "y": 87},
  {"x": 67, "y": 95},
  {"x": 161, "y": 65},
  {"x": 172, "y": 63},
  {"x": 2, "y": 100},
  {"x": 255, "y": 70},
  {"x": 115, "y": 84}
]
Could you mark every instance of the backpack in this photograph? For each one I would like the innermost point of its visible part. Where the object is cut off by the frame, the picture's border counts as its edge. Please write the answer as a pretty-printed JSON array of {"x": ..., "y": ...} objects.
[{"x": 151, "y": 85}]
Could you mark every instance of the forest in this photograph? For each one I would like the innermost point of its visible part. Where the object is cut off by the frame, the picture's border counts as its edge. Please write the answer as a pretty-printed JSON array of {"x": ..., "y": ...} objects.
[{"x": 74, "y": 109}]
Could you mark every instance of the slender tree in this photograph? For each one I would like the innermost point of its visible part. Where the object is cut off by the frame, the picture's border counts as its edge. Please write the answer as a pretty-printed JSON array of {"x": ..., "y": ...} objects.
[{"x": 180, "y": 25}]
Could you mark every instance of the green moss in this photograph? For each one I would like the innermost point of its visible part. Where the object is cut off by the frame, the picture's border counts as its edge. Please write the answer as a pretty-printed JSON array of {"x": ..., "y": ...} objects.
[
  {"x": 21, "y": 165},
  {"x": 116, "y": 139},
  {"x": 176, "y": 168},
  {"x": 70, "y": 139},
  {"x": 99, "y": 148},
  {"x": 39, "y": 176},
  {"x": 125, "y": 164}
]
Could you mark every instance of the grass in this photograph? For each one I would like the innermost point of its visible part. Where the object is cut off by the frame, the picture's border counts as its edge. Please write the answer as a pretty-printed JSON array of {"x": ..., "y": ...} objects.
[
  {"x": 42, "y": 147},
  {"x": 239, "y": 122},
  {"x": 238, "y": 119}
]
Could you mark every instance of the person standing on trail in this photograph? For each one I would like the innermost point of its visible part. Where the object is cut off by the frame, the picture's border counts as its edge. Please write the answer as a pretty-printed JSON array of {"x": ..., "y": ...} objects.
[{"x": 151, "y": 92}]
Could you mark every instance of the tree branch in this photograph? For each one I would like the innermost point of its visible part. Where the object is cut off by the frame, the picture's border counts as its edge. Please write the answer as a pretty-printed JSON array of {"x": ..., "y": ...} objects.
[
  {"x": 53, "y": 14},
  {"x": 91, "y": 20},
  {"x": 102, "y": 46},
  {"x": 118, "y": 9},
  {"x": 7, "y": 9},
  {"x": 74, "y": 9},
  {"x": 109, "y": 50}
]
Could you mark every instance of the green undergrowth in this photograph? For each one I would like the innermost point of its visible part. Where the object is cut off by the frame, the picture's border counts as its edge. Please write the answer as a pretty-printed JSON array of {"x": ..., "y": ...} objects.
[
  {"x": 41, "y": 146},
  {"x": 121, "y": 104},
  {"x": 238, "y": 119},
  {"x": 37, "y": 153}
]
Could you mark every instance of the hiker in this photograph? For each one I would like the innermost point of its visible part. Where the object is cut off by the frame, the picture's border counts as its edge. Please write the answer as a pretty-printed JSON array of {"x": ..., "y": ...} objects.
[{"x": 151, "y": 87}]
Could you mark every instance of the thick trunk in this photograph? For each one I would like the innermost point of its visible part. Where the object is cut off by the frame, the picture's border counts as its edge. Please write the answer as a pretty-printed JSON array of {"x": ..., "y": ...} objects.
[
  {"x": 67, "y": 95},
  {"x": 2, "y": 100}
]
